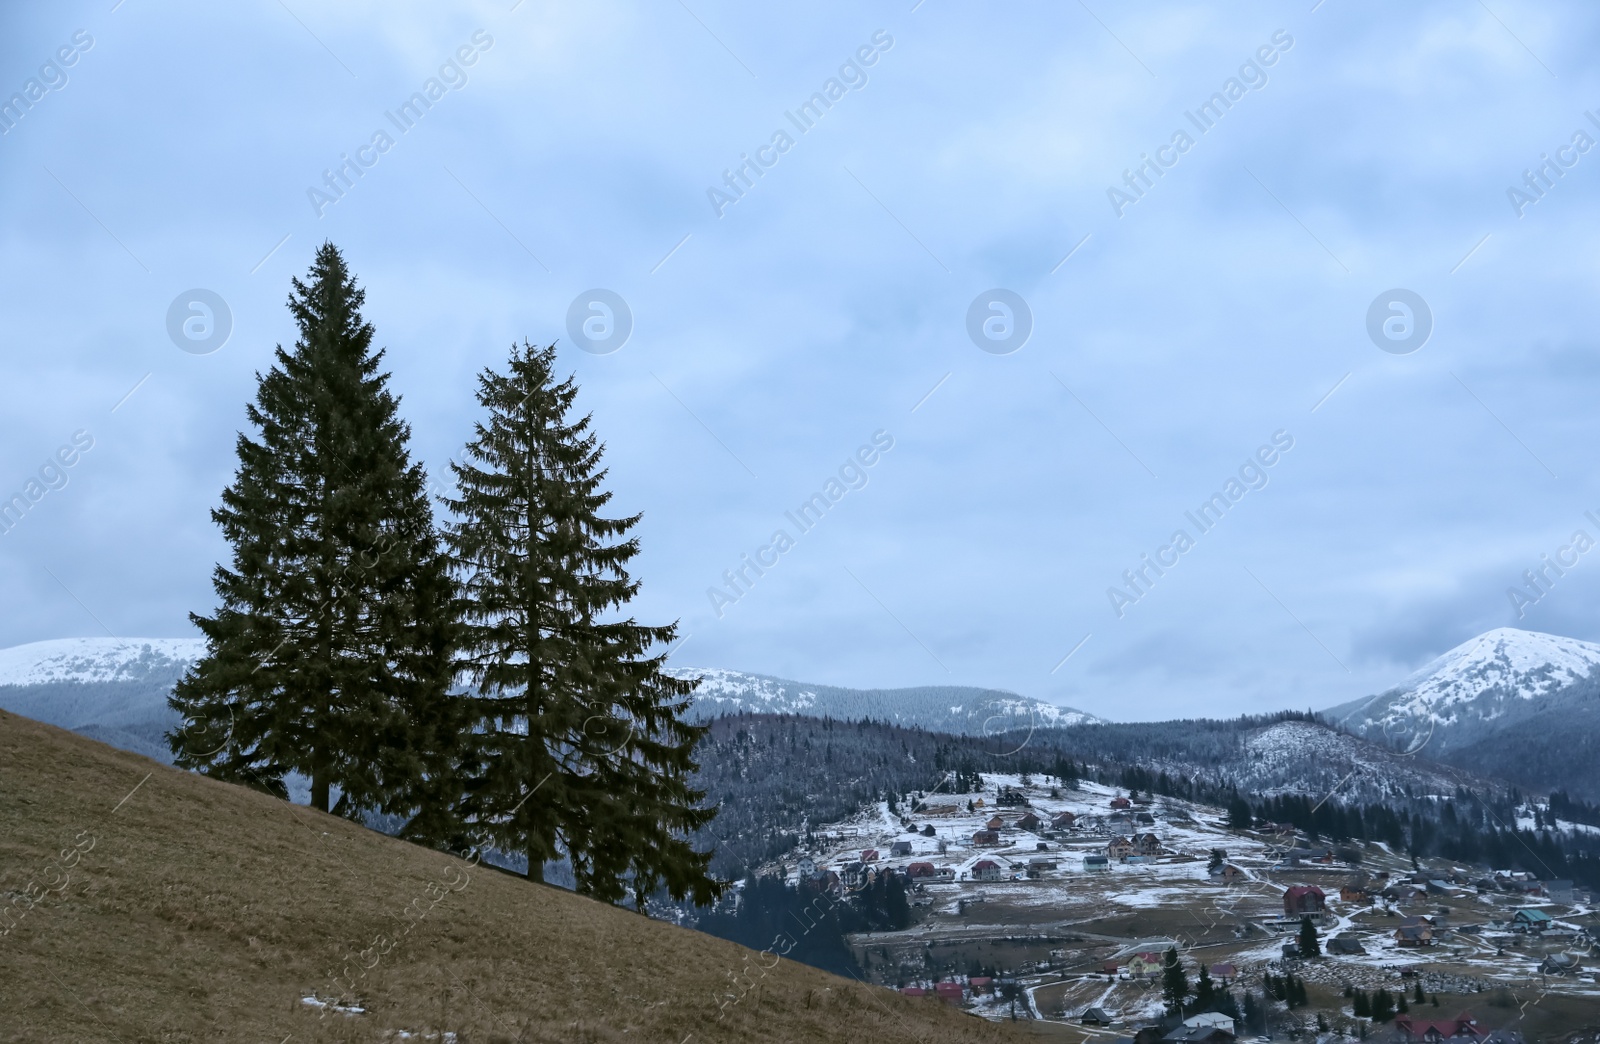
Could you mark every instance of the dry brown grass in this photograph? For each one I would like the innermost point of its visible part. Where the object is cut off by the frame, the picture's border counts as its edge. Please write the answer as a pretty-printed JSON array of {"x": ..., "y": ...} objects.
[{"x": 206, "y": 912}]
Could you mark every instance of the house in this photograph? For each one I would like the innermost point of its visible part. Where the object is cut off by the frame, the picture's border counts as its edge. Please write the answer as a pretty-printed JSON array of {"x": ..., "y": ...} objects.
[
  {"x": 1414, "y": 935},
  {"x": 916, "y": 870},
  {"x": 1146, "y": 965},
  {"x": 1092, "y": 863},
  {"x": 1010, "y": 796},
  {"x": 1109, "y": 968},
  {"x": 1199, "y": 1035},
  {"x": 1211, "y": 1018},
  {"x": 1119, "y": 848},
  {"x": 913, "y": 991},
  {"x": 995, "y": 823},
  {"x": 900, "y": 848},
  {"x": 1144, "y": 819},
  {"x": 1222, "y": 974},
  {"x": 1029, "y": 822},
  {"x": 1146, "y": 844},
  {"x": 1228, "y": 873},
  {"x": 1415, "y": 1030},
  {"x": 1095, "y": 1017},
  {"x": 1063, "y": 821},
  {"x": 854, "y": 875},
  {"x": 1121, "y": 803},
  {"x": 1301, "y": 900},
  {"x": 986, "y": 870},
  {"x": 1530, "y": 920},
  {"x": 869, "y": 855},
  {"x": 981, "y": 984},
  {"x": 1119, "y": 823},
  {"x": 950, "y": 992},
  {"x": 945, "y": 873},
  {"x": 1558, "y": 891},
  {"x": 1560, "y": 964},
  {"x": 1139, "y": 859},
  {"x": 807, "y": 867},
  {"x": 1345, "y": 943},
  {"x": 1353, "y": 894},
  {"x": 986, "y": 837},
  {"x": 1042, "y": 863}
]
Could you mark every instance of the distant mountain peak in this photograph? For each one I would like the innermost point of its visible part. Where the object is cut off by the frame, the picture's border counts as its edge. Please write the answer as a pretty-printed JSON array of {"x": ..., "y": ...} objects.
[
  {"x": 1499, "y": 680},
  {"x": 961, "y": 709}
]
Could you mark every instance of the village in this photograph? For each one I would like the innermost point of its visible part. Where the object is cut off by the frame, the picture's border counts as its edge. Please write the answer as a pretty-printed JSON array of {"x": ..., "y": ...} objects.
[{"x": 1036, "y": 901}]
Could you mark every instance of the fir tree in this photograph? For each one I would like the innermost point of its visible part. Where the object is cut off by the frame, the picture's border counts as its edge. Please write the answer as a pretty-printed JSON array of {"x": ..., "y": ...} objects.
[
  {"x": 1204, "y": 990},
  {"x": 577, "y": 744},
  {"x": 1174, "y": 983},
  {"x": 329, "y": 653},
  {"x": 1361, "y": 1005},
  {"x": 1418, "y": 995},
  {"x": 1382, "y": 1006},
  {"x": 1309, "y": 946}
]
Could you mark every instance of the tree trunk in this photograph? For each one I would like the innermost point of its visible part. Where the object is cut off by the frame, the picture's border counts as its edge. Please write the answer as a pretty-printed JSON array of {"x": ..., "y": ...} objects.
[
  {"x": 535, "y": 865},
  {"x": 319, "y": 791}
]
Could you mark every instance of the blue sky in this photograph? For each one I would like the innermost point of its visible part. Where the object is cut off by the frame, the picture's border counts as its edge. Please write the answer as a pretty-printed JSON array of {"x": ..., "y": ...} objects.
[{"x": 978, "y": 150}]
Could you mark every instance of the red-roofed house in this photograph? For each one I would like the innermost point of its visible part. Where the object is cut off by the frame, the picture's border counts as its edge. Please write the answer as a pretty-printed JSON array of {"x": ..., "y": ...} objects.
[
  {"x": 1029, "y": 822},
  {"x": 1121, "y": 802},
  {"x": 986, "y": 837},
  {"x": 1304, "y": 899},
  {"x": 995, "y": 823},
  {"x": 949, "y": 991},
  {"x": 986, "y": 870},
  {"x": 869, "y": 855},
  {"x": 920, "y": 870},
  {"x": 1431, "y": 1031},
  {"x": 1223, "y": 973},
  {"x": 913, "y": 991},
  {"x": 981, "y": 983},
  {"x": 1063, "y": 821}
]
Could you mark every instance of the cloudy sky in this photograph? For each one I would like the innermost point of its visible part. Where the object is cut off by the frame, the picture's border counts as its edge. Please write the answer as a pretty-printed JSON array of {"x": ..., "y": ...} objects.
[{"x": 1178, "y": 316}]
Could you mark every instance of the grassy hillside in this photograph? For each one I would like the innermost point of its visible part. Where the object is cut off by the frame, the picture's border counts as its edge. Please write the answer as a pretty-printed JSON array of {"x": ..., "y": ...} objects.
[{"x": 176, "y": 908}]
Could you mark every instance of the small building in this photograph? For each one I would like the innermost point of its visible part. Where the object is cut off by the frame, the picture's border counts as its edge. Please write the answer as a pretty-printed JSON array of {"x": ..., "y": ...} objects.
[
  {"x": 1345, "y": 943},
  {"x": 949, "y": 992},
  {"x": 1559, "y": 891},
  {"x": 1144, "y": 819},
  {"x": 1301, "y": 900},
  {"x": 1146, "y": 844},
  {"x": 1354, "y": 894},
  {"x": 1198, "y": 1035},
  {"x": 1530, "y": 920},
  {"x": 994, "y": 823},
  {"x": 1063, "y": 821},
  {"x": 916, "y": 870},
  {"x": 1222, "y": 974},
  {"x": 1029, "y": 822},
  {"x": 981, "y": 984},
  {"x": 986, "y": 870},
  {"x": 1121, "y": 803},
  {"x": 913, "y": 991},
  {"x": 1413, "y": 935},
  {"x": 986, "y": 837},
  {"x": 900, "y": 848},
  {"x": 869, "y": 855},
  {"x": 1560, "y": 964},
  {"x": 807, "y": 867},
  {"x": 1119, "y": 848},
  {"x": 1010, "y": 796},
  {"x": 1041, "y": 862},
  {"x": 1228, "y": 873},
  {"x": 1095, "y": 1017},
  {"x": 1094, "y": 863}
]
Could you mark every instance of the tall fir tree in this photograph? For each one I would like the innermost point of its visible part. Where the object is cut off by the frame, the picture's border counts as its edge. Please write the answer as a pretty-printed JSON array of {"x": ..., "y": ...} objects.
[
  {"x": 1310, "y": 946},
  {"x": 329, "y": 653},
  {"x": 1174, "y": 982},
  {"x": 577, "y": 744}
]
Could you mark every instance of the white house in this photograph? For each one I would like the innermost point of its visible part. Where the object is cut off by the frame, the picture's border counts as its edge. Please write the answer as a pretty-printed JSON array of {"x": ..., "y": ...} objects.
[{"x": 1210, "y": 1019}]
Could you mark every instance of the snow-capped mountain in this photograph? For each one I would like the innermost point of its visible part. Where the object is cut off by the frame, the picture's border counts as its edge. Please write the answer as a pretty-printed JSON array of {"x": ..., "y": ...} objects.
[
  {"x": 115, "y": 690},
  {"x": 1519, "y": 704},
  {"x": 963, "y": 710},
  {"x": 111, "y": 689},
  {"x": 97, "y": 659}
]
